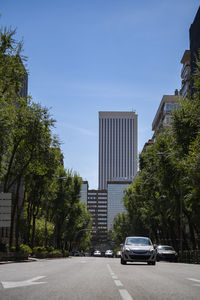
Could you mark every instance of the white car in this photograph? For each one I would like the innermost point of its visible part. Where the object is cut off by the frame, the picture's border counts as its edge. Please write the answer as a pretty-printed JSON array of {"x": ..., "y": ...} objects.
[
  {"x": 97, "y": 253},
  {"x": 109, "y": 253},
  {"x": 138, "y": 249}
]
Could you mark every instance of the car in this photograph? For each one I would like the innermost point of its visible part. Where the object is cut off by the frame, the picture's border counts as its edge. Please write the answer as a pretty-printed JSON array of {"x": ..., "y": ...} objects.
[
  {"x": 109, "y": 253},
  {"x": 118, "y": 254},
  {"x": 78, "y": 253},
  {"x": 167, "y": 253},
  {"x": 138, "y": 249},
  {"x": 97, "y": 253}
]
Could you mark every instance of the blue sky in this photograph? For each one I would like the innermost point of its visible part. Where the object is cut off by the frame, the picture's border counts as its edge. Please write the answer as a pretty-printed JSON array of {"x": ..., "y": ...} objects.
[{"x": 86, "y": 56}]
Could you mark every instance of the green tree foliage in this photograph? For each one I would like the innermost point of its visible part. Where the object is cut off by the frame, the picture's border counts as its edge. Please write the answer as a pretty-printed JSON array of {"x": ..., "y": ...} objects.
[
  {"x": 12, "y": 74},
  {"x": 68, "y": 213},
  {"x": 166, "y": 191},
  {"x": 122, "y": 228},
  {"x": 43, "y": 193}
]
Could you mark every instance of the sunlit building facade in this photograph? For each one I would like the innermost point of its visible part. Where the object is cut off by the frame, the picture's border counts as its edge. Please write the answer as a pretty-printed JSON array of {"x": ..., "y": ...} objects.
[{"x": 117, "y": 146}]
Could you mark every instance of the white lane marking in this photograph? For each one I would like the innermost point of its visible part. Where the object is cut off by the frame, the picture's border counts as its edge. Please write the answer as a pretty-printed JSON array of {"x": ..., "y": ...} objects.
[
  {"x": 110, "y": 270},
  {"x": 194, "y": 279},
  {"x": 118, "y": 283},
  {"x": 125, "y": 294},
  {"x": 13, "y": 284}
]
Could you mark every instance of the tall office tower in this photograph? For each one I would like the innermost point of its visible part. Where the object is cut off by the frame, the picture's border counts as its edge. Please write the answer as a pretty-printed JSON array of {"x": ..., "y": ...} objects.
[{"x": 117, "y": 147}]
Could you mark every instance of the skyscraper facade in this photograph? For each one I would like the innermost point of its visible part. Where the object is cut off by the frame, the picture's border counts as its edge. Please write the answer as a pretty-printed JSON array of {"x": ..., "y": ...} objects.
[{"x": 117, "y": 146}]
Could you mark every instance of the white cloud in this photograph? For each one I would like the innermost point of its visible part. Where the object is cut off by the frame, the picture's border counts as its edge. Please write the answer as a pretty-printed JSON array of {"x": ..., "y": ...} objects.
[{"x": 83, "y": 131}]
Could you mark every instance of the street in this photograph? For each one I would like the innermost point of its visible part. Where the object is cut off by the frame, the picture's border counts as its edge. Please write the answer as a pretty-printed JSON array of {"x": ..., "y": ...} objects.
[{"x": 97, "y": 278}]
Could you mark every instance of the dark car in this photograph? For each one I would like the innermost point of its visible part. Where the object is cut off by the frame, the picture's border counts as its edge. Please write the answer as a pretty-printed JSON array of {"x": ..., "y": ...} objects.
[
  {"x": 165, "y": 252},
  {"x": 78, "y": 253},
  {"x": 138, "y": 249}
]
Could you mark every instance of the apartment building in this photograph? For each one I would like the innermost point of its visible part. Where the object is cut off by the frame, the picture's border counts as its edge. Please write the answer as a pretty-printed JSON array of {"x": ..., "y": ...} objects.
[
  {"x": 185, "y": 74},
  {"x": 97, "y": 205},
  {"x": 163, "y": 115}
]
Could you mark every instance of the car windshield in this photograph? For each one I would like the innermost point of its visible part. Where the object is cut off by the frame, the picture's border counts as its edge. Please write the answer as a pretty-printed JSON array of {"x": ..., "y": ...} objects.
[
  {"x": 165, "y": 248},
  {"x": 138, "y": 241}
]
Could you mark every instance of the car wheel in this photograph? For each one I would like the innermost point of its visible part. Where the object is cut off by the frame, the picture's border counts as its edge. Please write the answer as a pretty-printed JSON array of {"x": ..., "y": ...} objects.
[
  {"x": 123, "y": 262},
  {"x": 151, "y": 263}
]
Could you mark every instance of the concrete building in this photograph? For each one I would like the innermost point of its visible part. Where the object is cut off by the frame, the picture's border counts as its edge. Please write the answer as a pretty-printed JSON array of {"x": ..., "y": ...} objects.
[
  {"x": 84, "y": 192},
  {"x": 97, "y": 205},
  {"x": 185, "y": 74},
  {"x": 163, "y": 115},
  {"x": 115, "y": 196},
  {"x": 117, "y": 146}
]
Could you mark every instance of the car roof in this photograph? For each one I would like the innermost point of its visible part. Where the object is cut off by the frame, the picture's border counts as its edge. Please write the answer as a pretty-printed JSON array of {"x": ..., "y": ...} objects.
[{"x": 143, "y": 237}]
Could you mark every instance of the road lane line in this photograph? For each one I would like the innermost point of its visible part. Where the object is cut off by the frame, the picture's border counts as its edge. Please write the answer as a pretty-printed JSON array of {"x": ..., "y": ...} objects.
[
  {"x": 194, "y": 279},
  {"x": 125, "y": 294},
  {"x": 14, "y": 284},
  {"x": 110, "y": 270},
  {"x": 118, "y": 283}
]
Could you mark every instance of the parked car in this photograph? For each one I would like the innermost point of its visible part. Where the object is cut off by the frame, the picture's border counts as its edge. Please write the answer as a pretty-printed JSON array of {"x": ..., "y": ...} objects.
[
  {"x": 118, "y": 254},
  {"x": 165, "y": 252},
  {"x": 109, "y": 253},
  {"x": 138, "y": 249},
  {"x": 78, "y": 253},
  {"x": 97, "y": 253}
]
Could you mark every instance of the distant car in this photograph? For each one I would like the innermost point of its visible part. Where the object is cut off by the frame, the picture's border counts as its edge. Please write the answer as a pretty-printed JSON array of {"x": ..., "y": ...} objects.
[
  {"x": 78, "y": 253},
  {"x": 118, "y": 254},
  {"x": 138, "y": 249},
  {"x": 165, "y": 252},
  {"x": 109, "y": 253},
  {"x": 97, "y": 253}
]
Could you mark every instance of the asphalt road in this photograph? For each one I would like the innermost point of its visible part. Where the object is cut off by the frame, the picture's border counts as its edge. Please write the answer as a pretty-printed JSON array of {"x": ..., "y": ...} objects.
[{"x": 89, "y": 278}]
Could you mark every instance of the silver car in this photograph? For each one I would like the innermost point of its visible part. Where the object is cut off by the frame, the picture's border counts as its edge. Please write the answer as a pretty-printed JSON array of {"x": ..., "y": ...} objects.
[
  {"x": 109, "y": 253},
  {"x": 165, "y": 252},
  {"x": 138, "y": 249}
]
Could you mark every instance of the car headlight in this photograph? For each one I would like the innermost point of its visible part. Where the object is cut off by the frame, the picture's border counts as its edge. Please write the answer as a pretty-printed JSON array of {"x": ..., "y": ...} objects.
[{"x": 126, "y": 249}]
